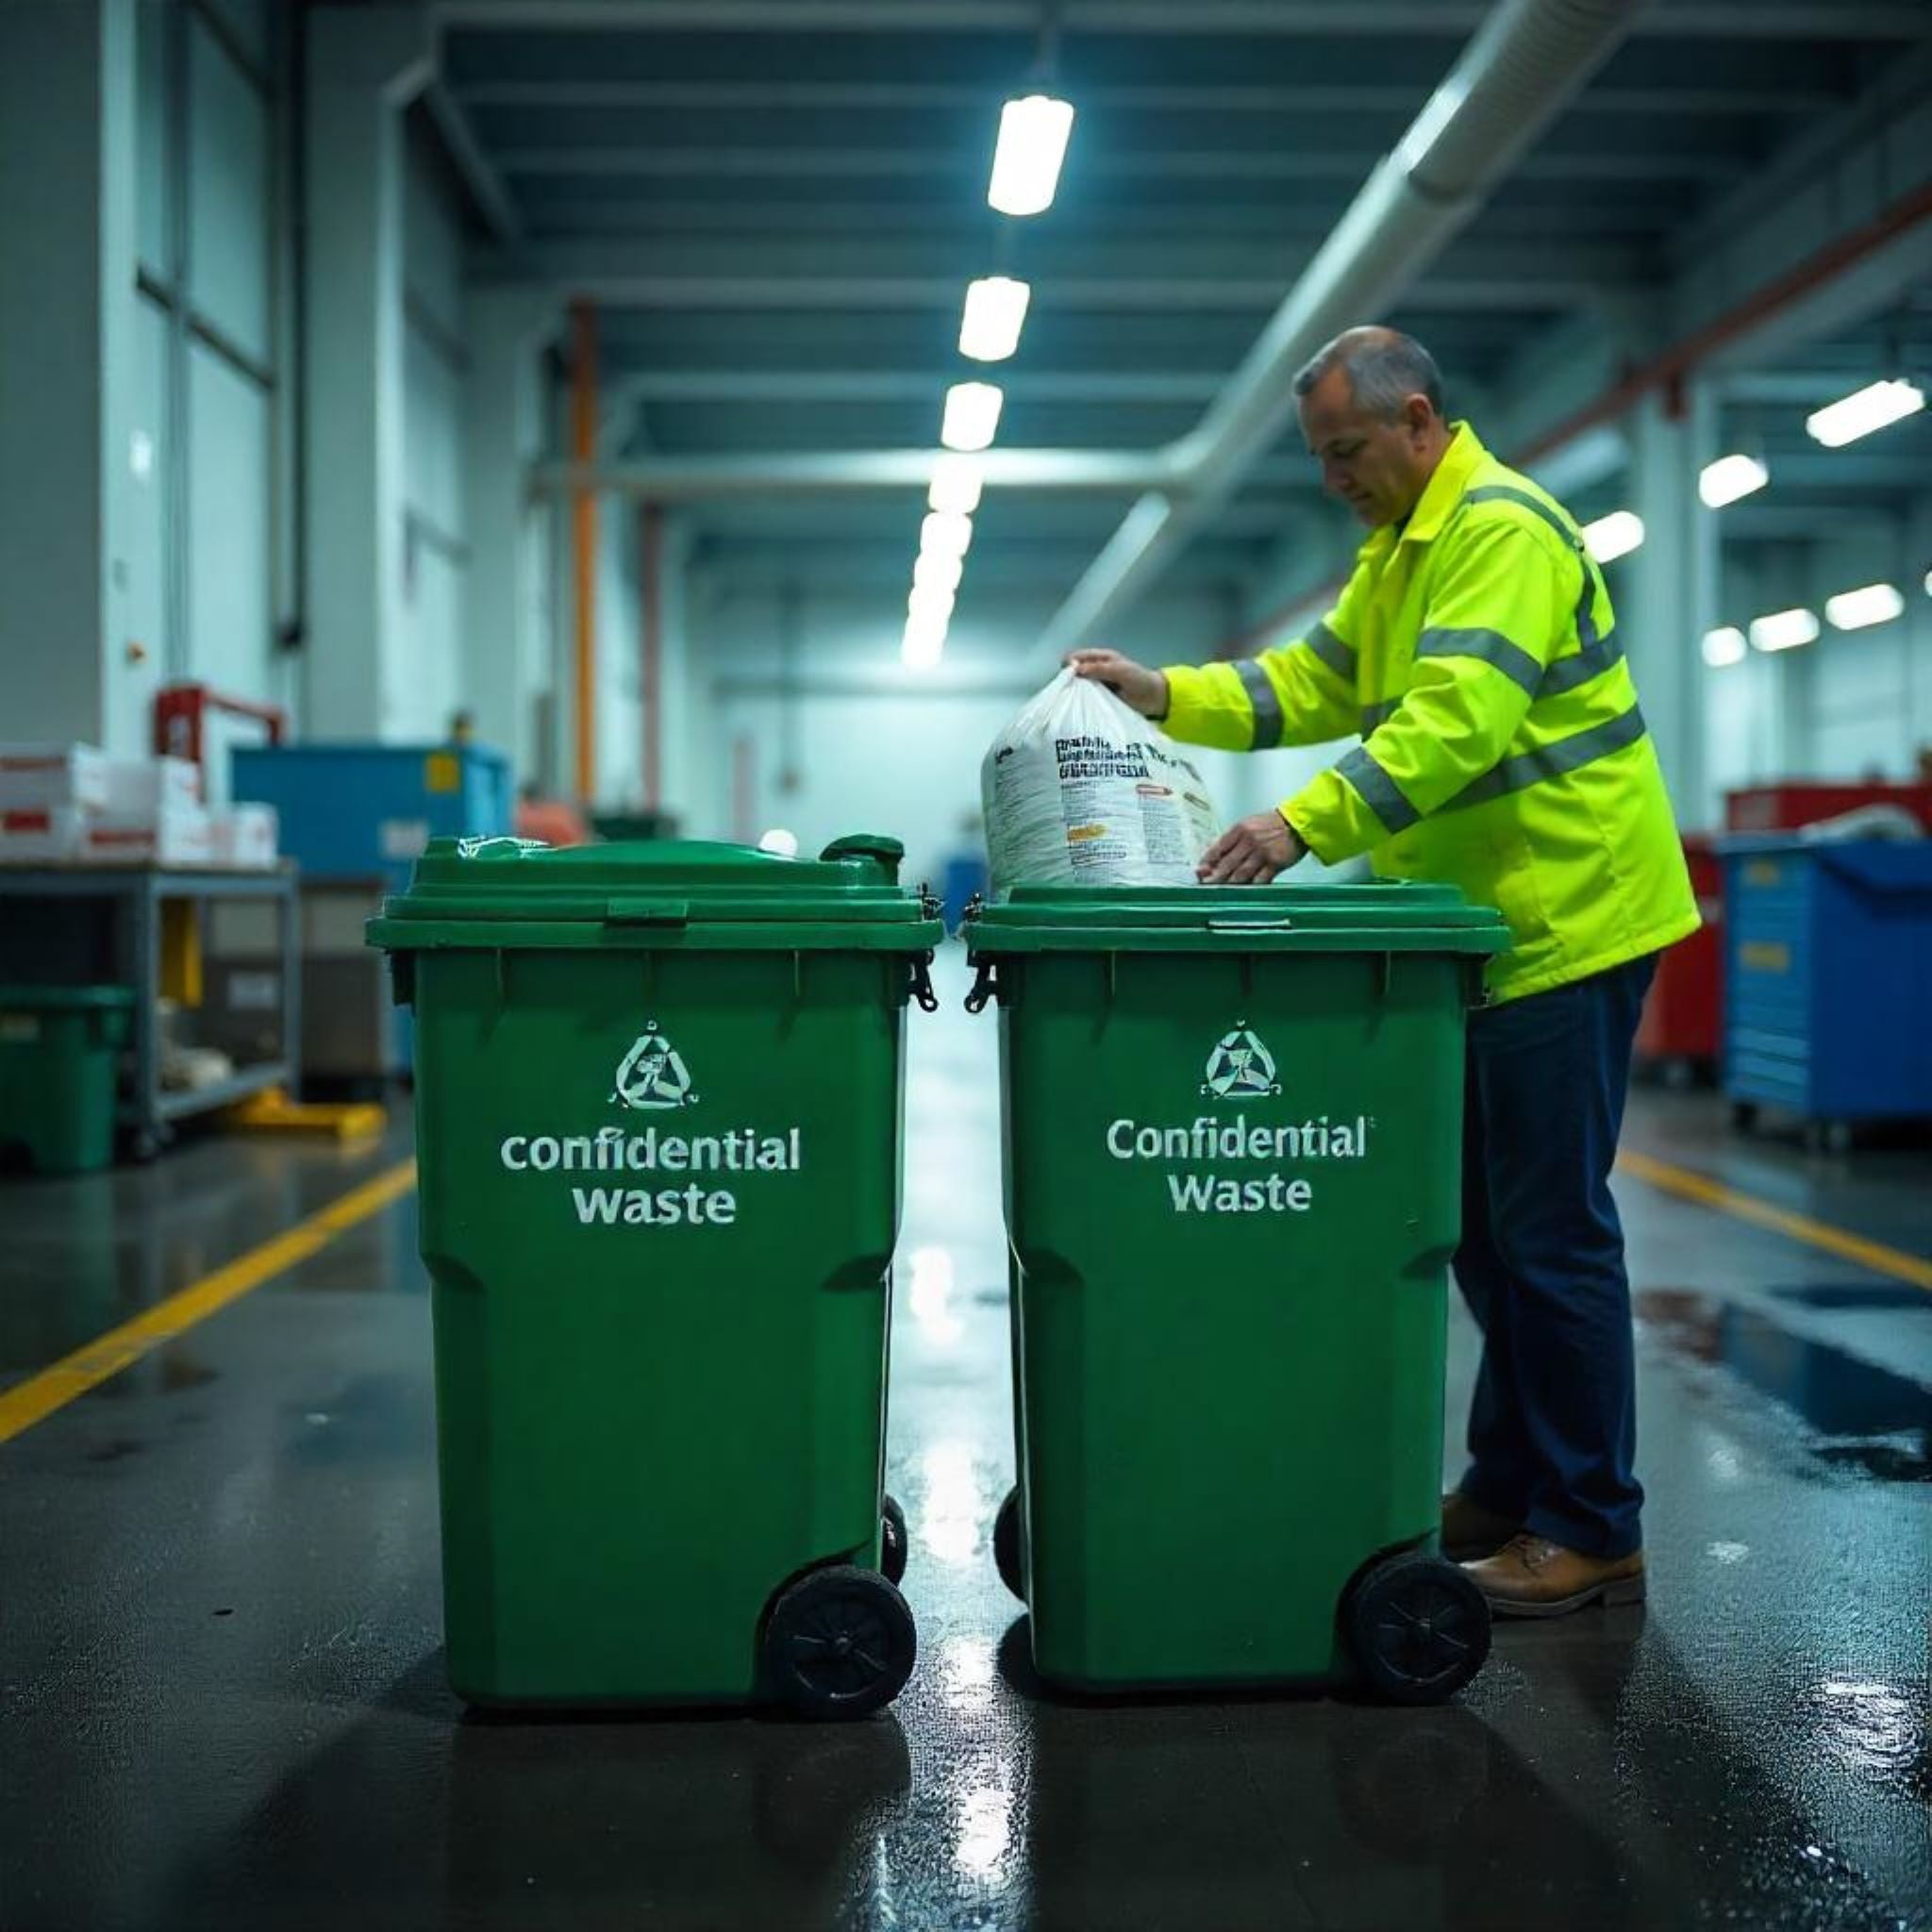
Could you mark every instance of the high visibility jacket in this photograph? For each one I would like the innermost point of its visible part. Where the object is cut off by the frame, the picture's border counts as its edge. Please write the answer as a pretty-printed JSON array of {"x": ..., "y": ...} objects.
[{"x": 1503, "y": 750}]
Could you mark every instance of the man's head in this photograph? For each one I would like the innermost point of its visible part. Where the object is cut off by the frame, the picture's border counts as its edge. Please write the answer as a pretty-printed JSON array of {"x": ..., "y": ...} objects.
[{"x": 1372, "y": 415}]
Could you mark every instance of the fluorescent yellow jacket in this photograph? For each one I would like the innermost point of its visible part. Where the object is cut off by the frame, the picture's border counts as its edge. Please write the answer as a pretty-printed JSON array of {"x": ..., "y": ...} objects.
[{"x": 1503, "y": 750}]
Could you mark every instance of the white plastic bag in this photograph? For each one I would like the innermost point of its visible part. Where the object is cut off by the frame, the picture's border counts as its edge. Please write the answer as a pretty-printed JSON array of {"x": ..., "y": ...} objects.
[{"x": 1081, "y": 790}]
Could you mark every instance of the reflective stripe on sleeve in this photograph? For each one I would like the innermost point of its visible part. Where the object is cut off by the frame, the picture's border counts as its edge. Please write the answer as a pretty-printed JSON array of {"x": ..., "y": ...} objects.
[
  {"x": 1550, "y": 761},
  {"x": 1379, "y": 792},
  {"x": 1266, "y": 701}
]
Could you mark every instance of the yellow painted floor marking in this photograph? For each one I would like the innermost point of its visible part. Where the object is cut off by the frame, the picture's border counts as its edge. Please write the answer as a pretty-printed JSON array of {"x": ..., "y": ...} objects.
[
  {"x": 39, "y": 1395},
  {"x": 1798, "y": 1228}
]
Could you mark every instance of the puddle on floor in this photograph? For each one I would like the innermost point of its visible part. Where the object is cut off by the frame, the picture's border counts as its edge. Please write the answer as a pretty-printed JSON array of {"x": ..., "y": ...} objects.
[
  {"x": 1856, "y": 1294},
  {"x": 1864, "y": 1416}
]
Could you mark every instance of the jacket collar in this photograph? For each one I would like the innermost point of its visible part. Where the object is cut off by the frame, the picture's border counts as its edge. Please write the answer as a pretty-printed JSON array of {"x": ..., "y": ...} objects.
[{"x": 1464, "y": 456}]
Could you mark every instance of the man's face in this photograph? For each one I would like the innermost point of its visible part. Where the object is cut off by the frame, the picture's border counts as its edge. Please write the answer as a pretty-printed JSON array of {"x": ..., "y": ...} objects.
[{"x": 1378, "y": 468}]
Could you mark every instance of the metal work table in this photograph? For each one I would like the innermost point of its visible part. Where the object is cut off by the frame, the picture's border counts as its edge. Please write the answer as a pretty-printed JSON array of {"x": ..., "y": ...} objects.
[{"x": 134, "y": 894}]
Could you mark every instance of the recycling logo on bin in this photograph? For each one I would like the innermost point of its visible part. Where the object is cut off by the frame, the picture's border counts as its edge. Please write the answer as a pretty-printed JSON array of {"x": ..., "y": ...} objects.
[
  {"x": 653, "y": 1075},
  {"x": 1240, "y": 1067}
]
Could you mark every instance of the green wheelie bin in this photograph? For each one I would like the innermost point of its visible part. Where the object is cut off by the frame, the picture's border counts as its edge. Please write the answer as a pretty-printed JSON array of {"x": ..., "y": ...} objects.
[
  {"x": 1233, "y": 1121},
  {"x": 658, "y": 1103},
  {"x": 61, "y": 1050}
]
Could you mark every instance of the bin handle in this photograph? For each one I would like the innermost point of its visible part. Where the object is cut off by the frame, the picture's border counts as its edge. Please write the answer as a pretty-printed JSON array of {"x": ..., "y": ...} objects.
[
  {"x": 646, "y": 911},
  {"x": 1251, "y": 925}
]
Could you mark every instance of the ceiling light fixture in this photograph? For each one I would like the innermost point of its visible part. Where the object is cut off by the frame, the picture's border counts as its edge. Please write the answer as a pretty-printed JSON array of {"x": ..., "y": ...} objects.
[
  {"x": 924, "y": 642},
  {"x": 1614, "y": 535},
  {"x": 1026, "y": 162},
  {"x": 931, "y": 603},
  {"x": 1730, "y": 478},
  {"x": 973, "y": 415},
  {"x": 956, "y": 482},
  {"x": 1784, "y": 630},
  {"x": 995, "y": 310},
  {"x": 1724, "y": 645},
  {"x": 1869, "y": 605},
  {"x": 945, "y": 533},
  {"x": 1866, "y": 409},
  {"x": 936, "y": 571}
]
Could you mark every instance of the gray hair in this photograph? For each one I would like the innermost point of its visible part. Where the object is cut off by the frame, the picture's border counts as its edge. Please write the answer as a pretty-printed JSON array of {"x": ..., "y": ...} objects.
[{"x": 1384, "y": 368}]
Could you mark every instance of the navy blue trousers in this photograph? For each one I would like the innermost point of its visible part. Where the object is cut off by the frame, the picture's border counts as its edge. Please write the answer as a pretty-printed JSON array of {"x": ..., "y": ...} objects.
[{"x": 1553, "y": 1424}]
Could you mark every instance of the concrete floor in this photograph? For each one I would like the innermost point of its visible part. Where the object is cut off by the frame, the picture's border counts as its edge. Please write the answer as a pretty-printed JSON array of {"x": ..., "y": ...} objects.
[{"x": 222, "y": 1700}]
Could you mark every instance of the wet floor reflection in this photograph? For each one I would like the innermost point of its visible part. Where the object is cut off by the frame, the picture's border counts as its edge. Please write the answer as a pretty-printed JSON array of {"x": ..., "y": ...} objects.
[{"x": 1849, "y": 1402}]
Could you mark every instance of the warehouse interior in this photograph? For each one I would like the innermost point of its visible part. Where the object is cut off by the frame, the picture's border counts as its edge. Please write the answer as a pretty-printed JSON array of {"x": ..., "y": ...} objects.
[{"x": 492, "y": 416}]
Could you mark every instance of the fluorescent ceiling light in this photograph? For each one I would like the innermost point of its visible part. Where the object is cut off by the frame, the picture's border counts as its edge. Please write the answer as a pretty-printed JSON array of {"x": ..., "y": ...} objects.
[
  {"x": 936, "y": 571},
  {"x": 1864, "y": 410},
  {"x": 1784, "y": 629},
  {"x": 1870, "y": 604},
  {"x": 924, "y": 642},
  {"x": 781, "y": 842},
  {"x": 955, "y": 485},
  {"x": 1724, "y": 645},
  {"x": 930, "y": 604},
  {"x": 973, "y": 415},
  {"x": 995, "y": 308},
  {"x": 1614, "y": 535},
  {"x": 1730, "y": 478},
  {"x": 1026, "y": 162},
  {"x": 945, "y": 533}
]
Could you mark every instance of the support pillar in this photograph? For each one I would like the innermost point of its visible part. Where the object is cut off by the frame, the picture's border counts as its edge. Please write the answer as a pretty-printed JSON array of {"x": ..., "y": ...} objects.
[
  {"x": 365, "y": 64},
  {"x": 505, "y": 434},
  {"x": 67, "y": 362}
]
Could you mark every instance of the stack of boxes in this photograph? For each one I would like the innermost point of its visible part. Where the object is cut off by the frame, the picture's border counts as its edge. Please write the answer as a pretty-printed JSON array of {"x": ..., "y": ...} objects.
[{"x": 74, "y": 805}]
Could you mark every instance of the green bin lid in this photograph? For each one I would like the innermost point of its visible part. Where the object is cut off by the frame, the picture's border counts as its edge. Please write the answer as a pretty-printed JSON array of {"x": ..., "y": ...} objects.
[
  {"x": 65, "y": 999},
  {"x": 492, "y": 892},
  {"x": 1377, "y": 917}
]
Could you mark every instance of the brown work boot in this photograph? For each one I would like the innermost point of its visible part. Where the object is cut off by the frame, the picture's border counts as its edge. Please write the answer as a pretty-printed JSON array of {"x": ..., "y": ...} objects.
[
  {"x": 1531, "y": 1576},
  {"x": 1470, "y": 1531}
]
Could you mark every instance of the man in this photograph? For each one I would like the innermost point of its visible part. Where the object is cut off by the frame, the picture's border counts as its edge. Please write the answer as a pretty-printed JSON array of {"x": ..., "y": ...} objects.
[{"x": 1503, "y": 750}]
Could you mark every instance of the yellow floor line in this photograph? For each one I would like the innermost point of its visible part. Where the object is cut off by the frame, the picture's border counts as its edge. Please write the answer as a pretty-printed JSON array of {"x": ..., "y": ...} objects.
[
  {"x": 1799, "y": 1227},
  {"x": 37, "y": 1397}
]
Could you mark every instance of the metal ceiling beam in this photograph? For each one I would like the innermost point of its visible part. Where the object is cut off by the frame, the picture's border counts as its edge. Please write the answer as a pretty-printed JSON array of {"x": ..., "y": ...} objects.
[
  {"x": 767, "y": 385},
  {"x": 699, "y": 479},
  {"x": 1458, "y": 296},
  {"x": 1773, "y": 19},
  {"x": 738, "y": 96},
  {"x": 1212, "y": 164},
  {"x": 478, "y": 172}
]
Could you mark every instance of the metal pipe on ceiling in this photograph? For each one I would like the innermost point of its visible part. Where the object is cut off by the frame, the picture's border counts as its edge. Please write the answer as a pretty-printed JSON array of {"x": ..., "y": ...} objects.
[
  {"x": 701, "y": 479},
  {"x": 1525, "y": 62}
]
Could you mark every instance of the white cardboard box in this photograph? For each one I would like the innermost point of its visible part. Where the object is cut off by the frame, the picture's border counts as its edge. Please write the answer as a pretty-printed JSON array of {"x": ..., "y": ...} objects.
[
  {"x": 180, "y": 835},
  {"x": 40, "y": 834},
  {"x": 139, "y": 788},
  {"x": 33, "y": 775},
  {"x": 247, "y": 835}
]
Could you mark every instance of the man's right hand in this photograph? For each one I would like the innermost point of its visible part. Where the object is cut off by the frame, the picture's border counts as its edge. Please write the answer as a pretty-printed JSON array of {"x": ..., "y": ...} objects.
[{"x": 1144, "y": 689}]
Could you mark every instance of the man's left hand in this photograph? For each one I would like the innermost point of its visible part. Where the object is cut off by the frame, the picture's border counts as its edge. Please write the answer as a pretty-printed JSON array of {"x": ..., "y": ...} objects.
[{"x": 1252, "y": 851}]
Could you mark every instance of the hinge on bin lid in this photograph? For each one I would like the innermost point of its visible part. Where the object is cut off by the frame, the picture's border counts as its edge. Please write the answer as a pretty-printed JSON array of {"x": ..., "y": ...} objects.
[
  {"x": 986, "y": 986},
  {"x": 876, "y": 847},
  {"x": 646, "y": 911}
]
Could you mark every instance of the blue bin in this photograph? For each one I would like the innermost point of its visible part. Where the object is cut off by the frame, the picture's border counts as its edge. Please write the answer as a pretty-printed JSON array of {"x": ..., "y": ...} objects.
[
  {"x": 357, "y": 812},
  {"x": 1828, "y": 959}
]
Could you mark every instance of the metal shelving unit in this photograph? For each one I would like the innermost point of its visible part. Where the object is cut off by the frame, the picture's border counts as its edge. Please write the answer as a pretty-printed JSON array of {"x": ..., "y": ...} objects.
[{"x": 134, "y": 896}]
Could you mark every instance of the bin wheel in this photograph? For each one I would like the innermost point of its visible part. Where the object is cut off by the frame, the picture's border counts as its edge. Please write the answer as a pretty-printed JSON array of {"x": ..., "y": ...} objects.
[
  {"x": 1006, "y": 1550},
  {"x": 1828, "y": 1137},
  {"x": 839, "y": 1643},
  {"x": 1744, "y": 1115},
  {"x": 893, "y": 1544},
  {"x": 1419, "y": 1628}
]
